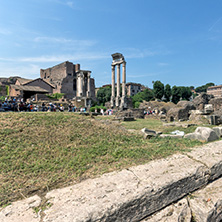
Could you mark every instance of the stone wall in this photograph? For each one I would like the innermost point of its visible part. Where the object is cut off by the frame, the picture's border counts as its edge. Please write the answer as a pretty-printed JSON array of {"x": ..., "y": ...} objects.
[
  {"x": 217, "y": 103},
  {"x": 181, "y": 112},
  {"x": 3, "y": 90}
]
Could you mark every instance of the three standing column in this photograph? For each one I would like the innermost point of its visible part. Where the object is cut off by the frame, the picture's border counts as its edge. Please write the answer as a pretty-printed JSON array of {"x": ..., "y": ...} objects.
[{"x": 117, "y": 100}]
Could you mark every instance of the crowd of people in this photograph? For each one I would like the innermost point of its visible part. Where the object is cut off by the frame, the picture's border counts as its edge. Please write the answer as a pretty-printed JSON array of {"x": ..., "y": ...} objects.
[{"x": 18, "y": 105}]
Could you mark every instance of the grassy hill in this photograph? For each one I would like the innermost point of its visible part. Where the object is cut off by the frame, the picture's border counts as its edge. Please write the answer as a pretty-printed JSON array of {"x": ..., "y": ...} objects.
[{"x": 42, "y": 151}]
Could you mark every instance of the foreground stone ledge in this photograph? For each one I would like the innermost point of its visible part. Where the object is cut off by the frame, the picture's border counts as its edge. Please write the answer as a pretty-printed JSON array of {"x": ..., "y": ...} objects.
[
  {"x": 204, "y": 205},
  {"x": 21, "y": 211},
  {"x": 128, "y": 195},
  {"x": 211, "y": 156}
]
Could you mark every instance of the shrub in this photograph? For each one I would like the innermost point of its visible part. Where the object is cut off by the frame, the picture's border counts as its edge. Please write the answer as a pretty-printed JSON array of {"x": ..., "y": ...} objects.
[
  {"x": 137, "y": 104},
  {"x": 92, "y": 109},
  {"x": 56, "y": 95}
]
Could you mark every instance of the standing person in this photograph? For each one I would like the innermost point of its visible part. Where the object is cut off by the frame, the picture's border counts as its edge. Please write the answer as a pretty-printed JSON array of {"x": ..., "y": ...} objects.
[
  {"x": 102, "y": 111},
  {"x": 31, "y": 107},
  {"x": 43, "y": 106},
  {"x": 61, "y": 108},
  {"x": 70, "y": 108}
]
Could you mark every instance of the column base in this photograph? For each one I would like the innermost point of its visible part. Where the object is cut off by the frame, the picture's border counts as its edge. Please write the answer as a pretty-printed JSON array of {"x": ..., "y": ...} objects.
[
  {"x": 118, "y": 101},
  {"x": 123, "y": 104},
  {"x": 112, "y": 102}
]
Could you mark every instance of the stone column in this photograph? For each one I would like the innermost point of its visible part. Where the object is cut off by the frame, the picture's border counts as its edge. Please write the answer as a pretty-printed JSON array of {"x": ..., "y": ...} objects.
[
  {"x": 80, "y": 85},
  {"x": 124, "y": 80},
  {"x": 88, "y": 85},
  {"x": 123, "y": 98},
  {"x": 113, "y": 87},
  {"x": 118, "y": 85}
]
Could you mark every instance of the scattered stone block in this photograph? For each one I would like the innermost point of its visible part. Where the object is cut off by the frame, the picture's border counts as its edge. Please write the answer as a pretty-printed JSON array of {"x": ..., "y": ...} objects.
[
  {"x": 218, "y": 131},
  {"x": 194, "y": 136},
  {"x": 147, "y": 133},
  {"x": 203, "y": 134},
  {"x": 208, "y": 108},
  {"x": 207, "y": 133},
  {"x": 171, "y": 136}
]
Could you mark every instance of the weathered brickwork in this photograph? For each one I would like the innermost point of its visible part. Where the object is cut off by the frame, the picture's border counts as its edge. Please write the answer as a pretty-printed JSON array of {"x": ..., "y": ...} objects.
[{"x": 70, "y": 80}]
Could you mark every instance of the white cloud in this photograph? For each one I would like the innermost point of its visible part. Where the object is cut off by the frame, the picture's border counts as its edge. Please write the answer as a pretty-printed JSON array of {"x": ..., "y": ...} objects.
[
  {"x": 61, "y": 58},
  {"x": 26, "y": 71},
  {"x": 73, "y": 42},
  {"x": 214, "y": 24},
  {"x": 4, "y": 31},
  {"x": 70, "y": 4},
  {"x": 162, "y": 64},
  {"x": 132, "y": 53},
  {"x": 144, "y": 75}
]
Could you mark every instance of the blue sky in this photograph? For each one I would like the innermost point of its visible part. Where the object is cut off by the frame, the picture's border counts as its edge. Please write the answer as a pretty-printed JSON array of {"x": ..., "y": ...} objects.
[{"x": 178, "y": 42}]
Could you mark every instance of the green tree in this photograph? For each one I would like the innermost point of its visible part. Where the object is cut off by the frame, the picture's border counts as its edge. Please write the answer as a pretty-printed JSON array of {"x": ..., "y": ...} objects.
[
  {"x": 158, "y": 89},
  {"x": 7, "y": 90},
  {"x": 104, "y": 95},
  {"x": 146, "y": 95},
  {"x": 203, "y": 88},
  {"x": 167, "y": 92},
  {"x": 175, "y": 94},
  {"x": 185, "y": 92}
]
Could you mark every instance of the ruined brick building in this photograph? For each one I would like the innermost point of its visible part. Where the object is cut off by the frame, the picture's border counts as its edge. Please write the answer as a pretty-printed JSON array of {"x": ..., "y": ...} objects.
[{"x": 69, "y": 79}]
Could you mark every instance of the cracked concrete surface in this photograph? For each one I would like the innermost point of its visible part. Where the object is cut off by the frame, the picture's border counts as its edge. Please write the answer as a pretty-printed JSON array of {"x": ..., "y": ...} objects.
[{"x": 131, "y": 194}]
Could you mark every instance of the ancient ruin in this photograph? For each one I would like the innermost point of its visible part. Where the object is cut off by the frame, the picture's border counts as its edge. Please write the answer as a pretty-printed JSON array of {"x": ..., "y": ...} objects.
[
  {"x": 117, "y": 100},
  {"x": 69, "y": 79}
]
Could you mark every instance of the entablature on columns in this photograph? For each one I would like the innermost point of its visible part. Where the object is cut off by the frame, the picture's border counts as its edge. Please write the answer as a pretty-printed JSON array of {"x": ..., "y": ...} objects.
[{"x": 118, "y": 63}]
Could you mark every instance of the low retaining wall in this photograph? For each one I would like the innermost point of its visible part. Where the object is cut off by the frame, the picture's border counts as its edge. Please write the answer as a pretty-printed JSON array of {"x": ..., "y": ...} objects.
[{"x": 131, "y": 194}]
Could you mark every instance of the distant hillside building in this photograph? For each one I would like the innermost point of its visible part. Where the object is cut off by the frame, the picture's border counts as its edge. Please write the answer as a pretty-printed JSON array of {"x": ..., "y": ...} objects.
[
  {"x": 133, "y": 88},
  {"x": 216, "y": 91}
]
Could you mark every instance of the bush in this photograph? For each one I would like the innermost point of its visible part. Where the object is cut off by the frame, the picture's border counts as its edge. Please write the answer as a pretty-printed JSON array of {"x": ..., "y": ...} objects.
[
  {"x": 137, "y": 104},
  {"x": 56, "y": 95},
  {"x": 2, "y": 98},
  {"x": 93, "y": 108}
]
